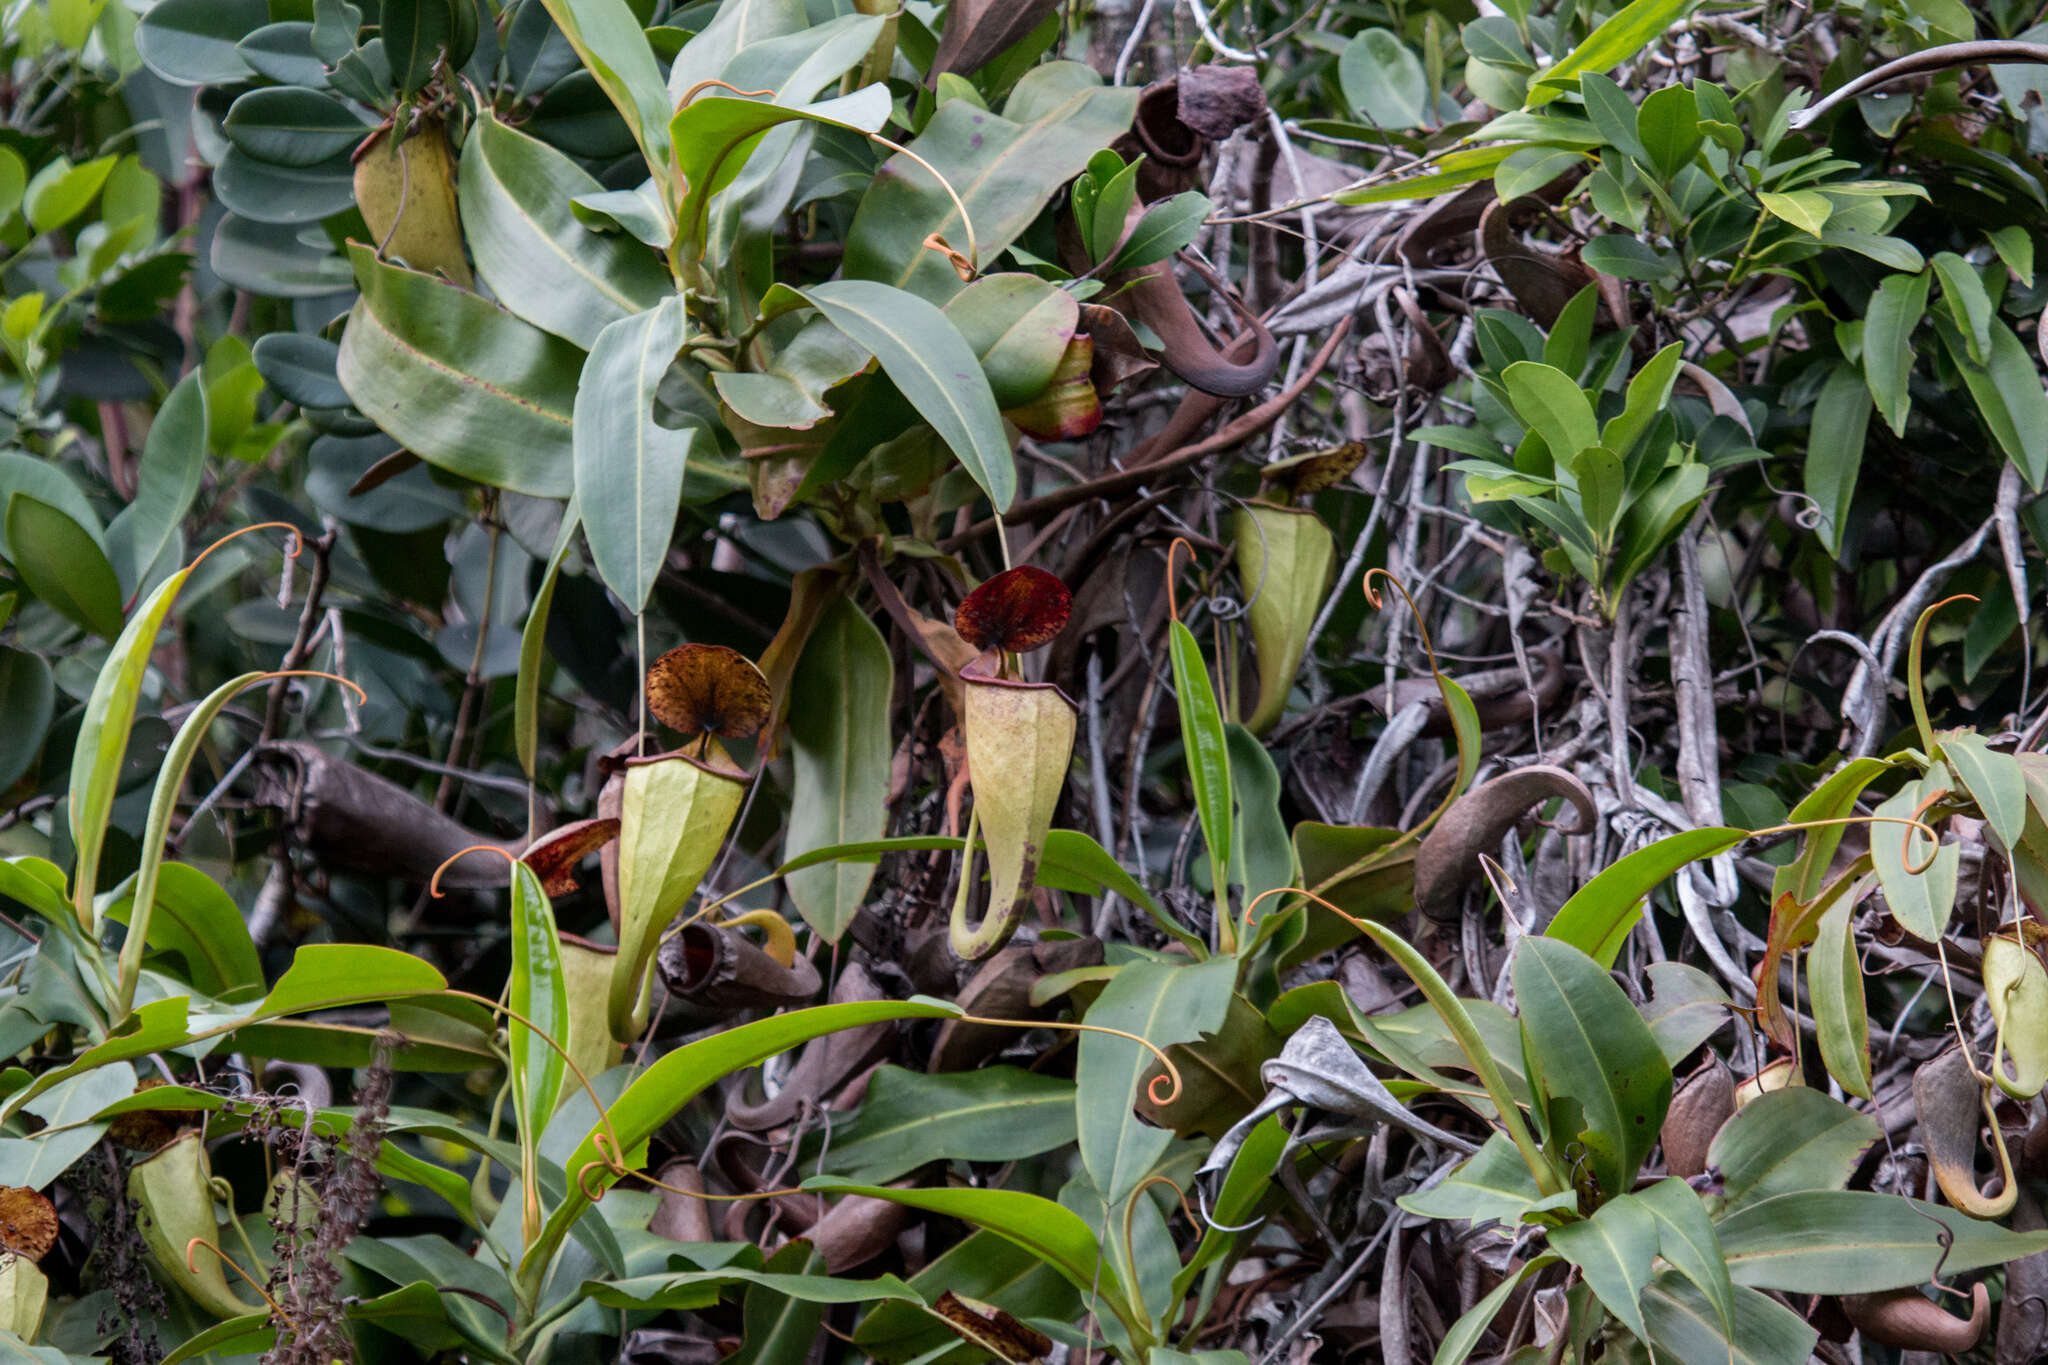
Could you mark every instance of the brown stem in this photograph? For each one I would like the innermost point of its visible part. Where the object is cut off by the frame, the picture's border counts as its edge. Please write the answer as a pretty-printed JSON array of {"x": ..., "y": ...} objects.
[{"x": 302, "y": 639}]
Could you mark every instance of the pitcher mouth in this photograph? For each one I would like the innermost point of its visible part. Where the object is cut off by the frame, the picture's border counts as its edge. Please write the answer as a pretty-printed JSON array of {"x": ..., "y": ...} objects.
[
  {"x": 974, "y": 673},
  {"x": 716, "y": 762}
]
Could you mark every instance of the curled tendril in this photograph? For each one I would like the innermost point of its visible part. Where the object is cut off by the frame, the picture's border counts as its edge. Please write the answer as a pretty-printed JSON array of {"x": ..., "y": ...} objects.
[
  {"x": 276, "y": 1308},
  {"x": 1131, "y": 1207},
  {"x": 1171, "y": 1072},
  {"x": 701, "y": 86},
  {"x": 434, "y": 882},
  {"x": 362, "y": 697},
  {"x": 1173, "y": 597},
  {"x": 1914, "y": 821},
  {"x": 294, "y": 545},
  {"x": 1916, "y": 693}
]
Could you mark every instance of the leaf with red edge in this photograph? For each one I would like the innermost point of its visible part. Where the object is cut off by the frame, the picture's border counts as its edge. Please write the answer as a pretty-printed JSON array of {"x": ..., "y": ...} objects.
[
  {"x": 708, "y": 689},
  {"x": 553, "y": 856},
  {"x": 1019, "y": 609}
]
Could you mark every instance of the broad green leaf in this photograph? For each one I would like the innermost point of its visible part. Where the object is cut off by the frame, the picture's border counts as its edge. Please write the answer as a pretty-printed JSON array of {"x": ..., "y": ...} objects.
[
  {"x": 1649, "y": 393},
  {"x": 458, "y": 381},
  {"x": 1167, "y": 226},
  {"x": 629, "y": 466},
  {"x": 1493, "y": 1184},
  {"x": 28, "y": 698},
  {"x": 1807, "y": 210},
  {"x": 290, "y": 125},
  {"x": 1668, "y": 124},
  {"x": 1073, "y": 854},
  {"x": 1591, "y": 1054},
  {"x": 1684, "y": 1325},
  {"x": 1018, "y": 326},
  {"x": 192, "y": 42},
  {"x": 1625, "y": 33},
  {"x": 166, "y": 482},
  {"x": 1527, "y": 171},
  {"x": 1613, "y": 1250},
  {"x": 34, "y": 1162},
  {"x": 1262, "y": 856},
  {"x": 1921, "y": 900},
  {"x": 2016, "y": 249},
  {"x": 416, "y": 35},
  {"x": 1572, "y": 334},
  {"x": 1602, "y": 495},
  {"x": 1895, "y": 310},
  {"x": 199, "y": 921},
  {"x": 1600, "y": 914},
  {"x": 1116, "y": 195},
  {"x": 1000, "y": 1113},
  {"x": 330, "y": 975},
  {"x": 1003, "y": 166},
  {"x": 1786, "y": 1141},
  {"x": 1205, "y": 746},
  {"x": 1685, "y": 1239},
  {"x": 1471, "y": 1327},
  {"x": 927, "y": 358},
  {"x": 1552, "y": 403},
  {"x": 63, "y": 565},
  {"x": 665, "y": 1087},
  {"x": 1055, "y": 1235},
  {"x": 713, "y": 136},
  {"x": 1383, "y": 80},
  {"x": 1164, "y": 1004},
  {"x": 840, "y": 752},
  {"x": 607, "y": 36},
  {"x": 696, "y": 1289},
  {"x": 1962, "y": 288},
  {"x": 1859, "y": 1242},
  {"x": 1994, "y": 781},
  {"x": 1613, "y": 113},
  {"x": 1834, "y": 451},
  {"x": 1834, "y": 982},
  {"x": 531, "y": 248},
  {"x": 1454, "y": 171},
  {"x": 2009, "y": 396}
]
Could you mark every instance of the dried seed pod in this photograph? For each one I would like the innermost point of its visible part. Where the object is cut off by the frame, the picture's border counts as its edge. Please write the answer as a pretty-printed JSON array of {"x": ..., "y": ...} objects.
[
  {"x": 1704, "y": 1101},
  {"x": 708, "y": 690},
  {"x": 1017, "y": 611}
]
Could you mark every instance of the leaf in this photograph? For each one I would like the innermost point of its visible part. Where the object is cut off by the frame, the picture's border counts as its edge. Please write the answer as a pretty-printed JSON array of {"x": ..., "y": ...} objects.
[
  {"x": 1612, "y": 113},
  {"x": 539, "y": 997},
  {"x": 539, "y": 259},
  {"x": 1054, "y": 1234},
  {"x": 1602, "y": 495},
  {"x": 192, "y": 42},
  {"x": 1834, "y": 981},
  {"x": 1492, "y": 1185},
  {"x": 1162, "y": 1003},
  {"x": 1833, "y": 799},
  {"x": 1684, "y": 1325},
  {"x": 458, "y": 381},
  {"x": 1554, "y": 405},
  {"x": 1470, "y": 1329},
  {"x": 1600, "y": 914},
  {"x": 166, "y": 482},
  {"x": 925, "y": 356},
  {"x": 330, "y": 975},
  {"x": 1895, "y": 310},
  {"x": 608, "y": 38},
  {"x": 1167, "y": 227},
  {"x": 1613, "y": 1250},
  {"x": 289, "y": 125},
  {"x": 1000, "y": 1113},
  {"x": 1004, "y": 167},
  {"x": 1076, "y": 855},
  {"x": 1806, "y": 210},
  {"x": 1786, "y": 1141},
  {"x": 840, "y": 750},
  {"x": 981, "y": 1266},
  {"x": 1527, "y": 171},
  {"x": 1114, "y": 197},
  {"x": 1589, "y": 1050},
  {"x": 629, "y": 467},
  {"x": 1383, "y": 80},
  {"x": 1834, "y": 452},
  {"x": 1994, "y": 781},
  {"x": 713, "y": 136},
  {"x": 2009, "y": 397},
  {"x": 665, "y": 1087},
  {"x": 1962, "y": 288},
  {"x": 1018, "y": 326},
  {"x": 416, "y": 33},
  {"x": 62, "y": 564},
  {"x": 1624, "y": 33},
  {"x": 1685, "y": 1238},
  {"x": 1206, "y": 749},
  {"x": 1859, "y": 1242},
  {"x": 28, "y": 698},
  {"x": 1668, "y": 123},
  {"x": 200, "y": 922}
]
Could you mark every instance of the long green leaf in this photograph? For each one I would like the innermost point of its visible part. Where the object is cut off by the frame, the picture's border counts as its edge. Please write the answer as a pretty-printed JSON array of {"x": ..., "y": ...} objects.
[
  {"x": 1685, "y": 1238},
  {"x": 1000, "y": 1113},
  {"x": 629, "y": 467},
  {"x": 459, "y": 381},
  {"x": 1787, "y": 1141},
  {"x": 841, "y": 752},
  {"x": 1614, "y": 1250},
  {"x": 609, "y": 40},
  {"x": 1860, "y": 1242},
  {"x": 1624, "y": 34},
  {"x": 166, "y": 482},
  {"x": 1895, "y": 310},
  {"x": 1834, "y": 451},
  {"x": 1467, "y": 1332},
  {"x": 537, "y": 256},
  {"x": 713, "y": 136},
  {"x": 1592, "y": 1058},
  {"x": 61, "y": 562},
  {"x": 1206, "y": 749},
  {"x": 925, "y": 356},
  {"x": 1834, "y": 981},
  {"x": 1600, "y": 914}
]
